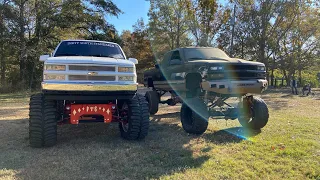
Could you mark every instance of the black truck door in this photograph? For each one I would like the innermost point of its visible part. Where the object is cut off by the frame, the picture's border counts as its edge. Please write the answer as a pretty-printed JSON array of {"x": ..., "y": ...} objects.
[{"x": 175, "y": 71}]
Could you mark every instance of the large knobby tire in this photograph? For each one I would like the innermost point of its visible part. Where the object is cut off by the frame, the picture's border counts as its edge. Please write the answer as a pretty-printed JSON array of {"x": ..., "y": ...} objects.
[
  {"x": 42, "y": 122},
  {"x": 138, "y": 119},
  {"x": 153, "y": 101},
  {"x": 260, "y": 115},
  {"x": 194, "y": 116}
]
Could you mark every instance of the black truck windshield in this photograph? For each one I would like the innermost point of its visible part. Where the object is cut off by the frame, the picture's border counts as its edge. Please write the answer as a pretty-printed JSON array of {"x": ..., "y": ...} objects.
[
  {"x": 205, "y": 53},
  {"x": 89, "y": 48}
]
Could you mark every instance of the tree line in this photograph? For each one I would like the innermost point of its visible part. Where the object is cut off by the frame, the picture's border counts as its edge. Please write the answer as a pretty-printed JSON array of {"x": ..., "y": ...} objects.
[{"x": 283, "y": 34}]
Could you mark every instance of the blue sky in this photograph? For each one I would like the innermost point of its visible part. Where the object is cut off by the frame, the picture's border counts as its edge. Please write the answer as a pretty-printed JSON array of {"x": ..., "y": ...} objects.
[{"x": 132, "y": 11}]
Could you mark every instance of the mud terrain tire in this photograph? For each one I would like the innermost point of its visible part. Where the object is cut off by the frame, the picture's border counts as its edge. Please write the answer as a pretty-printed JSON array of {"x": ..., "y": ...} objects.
[
  {"x": 153, "y": 99},
  {"x": 260, "y": 115},
  {"x": 194, "y": 116},
  {"x": 138, "y": 119},
  {"x": 42, "y": 122}
]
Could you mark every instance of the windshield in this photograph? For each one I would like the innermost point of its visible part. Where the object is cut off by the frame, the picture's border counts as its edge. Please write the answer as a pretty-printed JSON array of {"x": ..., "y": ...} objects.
[
  {"x": 89, "y": 48},
  {"x": 204, "y": 53}
]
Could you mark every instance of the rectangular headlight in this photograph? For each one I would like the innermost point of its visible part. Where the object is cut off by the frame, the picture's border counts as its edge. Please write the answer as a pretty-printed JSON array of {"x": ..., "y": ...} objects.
[
  {"x": 54, "y": 77},
  {"x": 215, "y": 76},
  {"x": 125, "y": 69},
  {"x": 51, "y": 67},
  {"x": 126, "y": 78},
  {"x": 261, "y": 68},
  {"x": 215, "y": 68}
]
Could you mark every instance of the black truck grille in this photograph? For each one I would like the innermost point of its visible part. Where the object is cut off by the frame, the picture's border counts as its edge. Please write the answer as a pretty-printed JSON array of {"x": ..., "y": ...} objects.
[
  {"x": 236, "y": 75},
  {"x": 235, "y": 67},
  {"x": 236, "y": 71}
]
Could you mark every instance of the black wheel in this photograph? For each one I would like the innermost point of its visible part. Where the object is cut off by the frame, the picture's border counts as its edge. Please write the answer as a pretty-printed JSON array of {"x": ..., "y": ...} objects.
[
  {"x": 135, "y": 123},
  {"x": 255, "y": 116},
  {"x": 153, "y": 99},
  {"x": 60, "y": 109},
  {"x": 42, "y": 121},
  {"x": 194, "y": 116}
]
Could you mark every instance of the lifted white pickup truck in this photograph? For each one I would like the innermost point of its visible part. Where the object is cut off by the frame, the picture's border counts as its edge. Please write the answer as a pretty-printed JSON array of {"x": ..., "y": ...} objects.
[{"x": 87, "y": 81}]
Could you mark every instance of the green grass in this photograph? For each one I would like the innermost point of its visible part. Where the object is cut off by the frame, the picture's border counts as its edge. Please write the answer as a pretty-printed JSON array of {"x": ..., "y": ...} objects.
[{"x": 287, "y": 148}]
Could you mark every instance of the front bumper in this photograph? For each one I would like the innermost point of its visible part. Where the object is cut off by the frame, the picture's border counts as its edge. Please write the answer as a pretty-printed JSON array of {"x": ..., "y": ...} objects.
[
  {"x": 63, "y": 86},
  {"x": 256, "y": 86}
]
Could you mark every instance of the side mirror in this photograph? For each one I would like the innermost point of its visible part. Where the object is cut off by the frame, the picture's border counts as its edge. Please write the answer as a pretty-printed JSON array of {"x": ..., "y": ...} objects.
[
  {"x": 135, "y": 61},
  {"x": 175, "y": 62},
  {"x": 44, "y": 57}
]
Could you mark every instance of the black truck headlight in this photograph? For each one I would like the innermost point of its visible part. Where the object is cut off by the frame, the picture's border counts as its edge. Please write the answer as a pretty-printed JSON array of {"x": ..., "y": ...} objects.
[
  {"x": 261, "y": 68},
  {"x": 215, "y": 76},
  {"x": 216, "y": 68}
]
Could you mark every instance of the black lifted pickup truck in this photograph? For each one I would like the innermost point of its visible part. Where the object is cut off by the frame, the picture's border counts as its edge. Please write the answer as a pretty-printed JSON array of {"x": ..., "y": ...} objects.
[{"x": 202, "y": 79}]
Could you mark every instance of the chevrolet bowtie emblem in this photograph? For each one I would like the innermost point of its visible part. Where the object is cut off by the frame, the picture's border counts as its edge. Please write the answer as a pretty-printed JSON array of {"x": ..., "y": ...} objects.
[{"x": 92, "y": 73}]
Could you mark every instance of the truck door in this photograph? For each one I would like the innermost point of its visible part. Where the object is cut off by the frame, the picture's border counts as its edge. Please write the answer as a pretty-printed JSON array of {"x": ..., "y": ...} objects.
[
  {"x": 160, "y": 77},
  {"x": 175, "y": 71}
]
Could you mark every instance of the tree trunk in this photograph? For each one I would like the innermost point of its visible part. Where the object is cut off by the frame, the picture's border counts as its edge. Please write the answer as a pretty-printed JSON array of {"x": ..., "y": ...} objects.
[
  {"x": 2, "y": 58},
  {"x": 272, "y": 78},
  {"x": 22, "y": 46},
  {"x": 272, "y": 71},
  {"x": 3, "y": 63},
  {"x": 286, "y": 77},
  {"x": 242, "y": 48},
  {"x": 178, "y": 33},
  {"x": 3, "y": 66},
  {"x": 300, "y": 77}
]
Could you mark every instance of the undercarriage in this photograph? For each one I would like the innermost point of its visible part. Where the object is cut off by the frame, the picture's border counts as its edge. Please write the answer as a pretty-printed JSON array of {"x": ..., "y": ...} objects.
[
  {"x": 47, "y": 111},
  {"x": 252, "y": 112}
]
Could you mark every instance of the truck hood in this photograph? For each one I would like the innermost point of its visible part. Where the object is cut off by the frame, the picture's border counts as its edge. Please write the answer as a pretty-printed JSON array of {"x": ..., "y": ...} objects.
[
  {"x": 230, "y": 60},
  {"x": 88, "y": 60}
]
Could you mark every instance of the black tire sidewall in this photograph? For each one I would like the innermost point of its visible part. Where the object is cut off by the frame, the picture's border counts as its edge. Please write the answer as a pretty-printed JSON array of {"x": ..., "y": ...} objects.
[
  {"x": 260, "y": 115},
  {"x": 138, "y": 119},
  {"x": 152, "y": 98},
  {"x": 42, "y": 121},
  {"x": 194, "y": 116}
]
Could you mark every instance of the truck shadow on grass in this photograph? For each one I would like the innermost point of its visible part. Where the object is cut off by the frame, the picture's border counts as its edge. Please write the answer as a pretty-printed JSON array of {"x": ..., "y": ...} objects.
[
  {"x": 229, "y": 135},
  {"x": 96, "y": 151}
]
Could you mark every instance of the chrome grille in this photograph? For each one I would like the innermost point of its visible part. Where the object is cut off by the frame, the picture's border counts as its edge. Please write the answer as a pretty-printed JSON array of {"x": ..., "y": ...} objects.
[
  {"x": 92, "y": 68},
  {"x": 91, "y": 78}
]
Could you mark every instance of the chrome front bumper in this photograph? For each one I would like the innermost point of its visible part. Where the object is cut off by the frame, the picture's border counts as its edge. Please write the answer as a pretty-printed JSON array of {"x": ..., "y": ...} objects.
[
  {"x": 58, "y": 86},
  {"x": 236, "y": 86}
]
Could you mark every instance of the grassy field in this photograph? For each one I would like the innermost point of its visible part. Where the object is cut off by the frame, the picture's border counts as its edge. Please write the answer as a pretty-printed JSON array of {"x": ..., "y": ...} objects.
[{"x": 287, "y": 148}]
